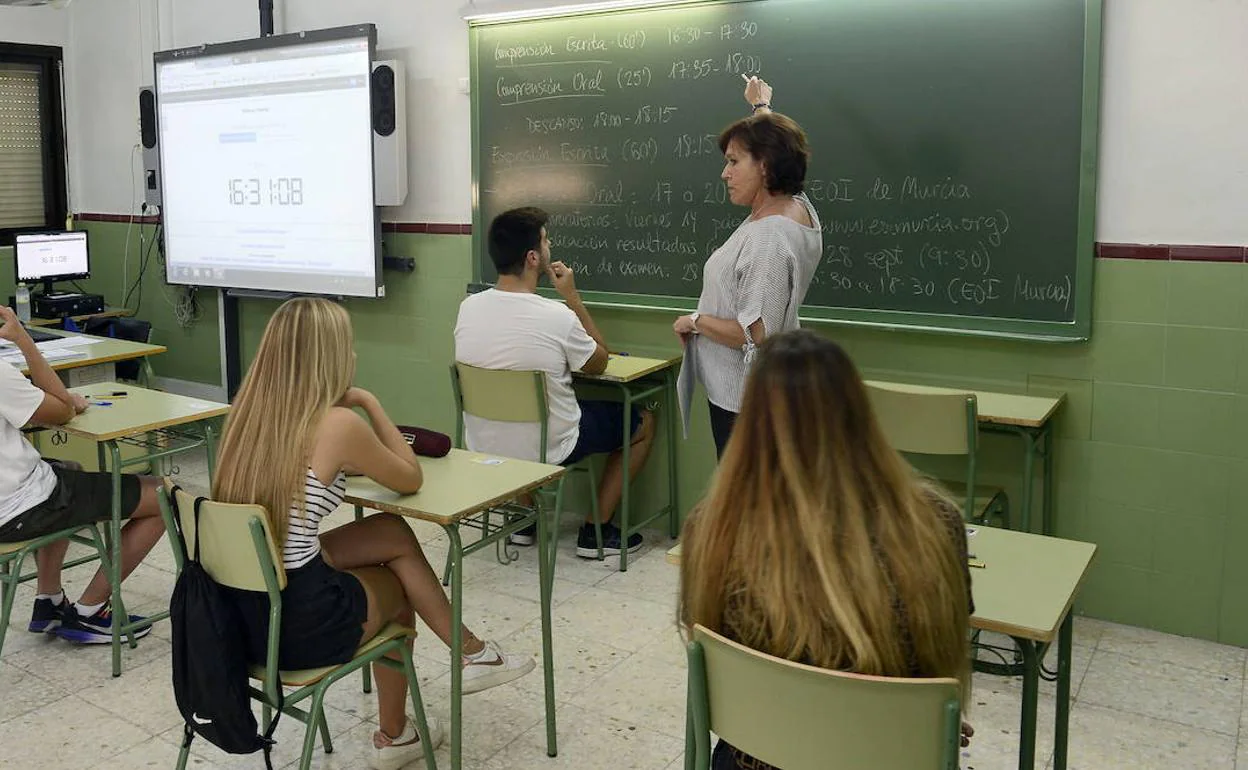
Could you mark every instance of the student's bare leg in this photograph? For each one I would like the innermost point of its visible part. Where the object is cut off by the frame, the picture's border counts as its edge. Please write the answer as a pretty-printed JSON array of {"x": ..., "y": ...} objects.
[
  {"x": 611, "y": 486},
  {"x": 387, "y": 602},
  {"x": 386, "y": 539},
  {"x": 144, "y": 529}
]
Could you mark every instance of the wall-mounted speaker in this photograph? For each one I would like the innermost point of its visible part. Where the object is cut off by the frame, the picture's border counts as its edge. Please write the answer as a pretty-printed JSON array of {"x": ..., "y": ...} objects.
[
  {"x": 148, "y": 137},
  {"x": 389, "y": 102}
]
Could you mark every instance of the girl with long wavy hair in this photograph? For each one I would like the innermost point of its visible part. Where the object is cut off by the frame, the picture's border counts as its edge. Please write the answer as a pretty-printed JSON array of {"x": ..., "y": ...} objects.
[
  {"x": 291, "y": 436},
  {"x": 817, "y": 542}
]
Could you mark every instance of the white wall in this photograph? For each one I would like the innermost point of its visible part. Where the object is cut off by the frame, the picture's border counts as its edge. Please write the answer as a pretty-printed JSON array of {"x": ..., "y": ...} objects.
[
  {"x": 1174, "y": 122},
  {"x": 35, "y": 26},
  {"x": 1173, "y": 153}
]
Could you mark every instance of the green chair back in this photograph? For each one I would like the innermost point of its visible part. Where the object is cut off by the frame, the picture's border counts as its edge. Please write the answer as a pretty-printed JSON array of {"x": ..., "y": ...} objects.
[
  {"x": 225, "y": 528},
  {"x": 800, "y": 717},
  {"x": 929, "y": 421},
  {"x": 503, "y": 395}
]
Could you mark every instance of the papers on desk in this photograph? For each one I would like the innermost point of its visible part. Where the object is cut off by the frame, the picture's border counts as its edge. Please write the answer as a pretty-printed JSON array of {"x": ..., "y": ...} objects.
[
  {"x": 686, "y": 381},
  {"x": 61, "y": 349}
]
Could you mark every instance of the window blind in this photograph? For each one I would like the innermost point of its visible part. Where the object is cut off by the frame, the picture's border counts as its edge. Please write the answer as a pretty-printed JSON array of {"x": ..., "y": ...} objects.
[{"x": 21, "y": 147}]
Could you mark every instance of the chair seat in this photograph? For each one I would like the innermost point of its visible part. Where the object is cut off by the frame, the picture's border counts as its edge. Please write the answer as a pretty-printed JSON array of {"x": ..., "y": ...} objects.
[
  {"x": 986, "y": 497},
  {"x": 7, "y": 548},
  {"x": 307, "y": 676}
]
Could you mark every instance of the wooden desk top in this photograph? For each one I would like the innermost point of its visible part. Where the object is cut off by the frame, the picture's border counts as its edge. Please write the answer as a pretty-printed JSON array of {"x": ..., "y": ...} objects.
[
  {"x": 993, "y": 407},
  {"x": 141, "y": 410},
  {"x": 1027, "y": 583},
  {"x": 109, "y": 312},
  {"x": 456, "y": 486},
  {"x": 104, "y": 350},
  {"x": 628, "y": 368}
]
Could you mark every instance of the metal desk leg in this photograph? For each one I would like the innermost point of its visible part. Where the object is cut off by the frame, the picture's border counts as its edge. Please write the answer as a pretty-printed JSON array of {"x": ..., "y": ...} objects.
[
  {"x": 456, "y": 554},
  {"x": 1061, "y": 724},
  {"x": 1029, "y": 472},
  {"x": 546, "y": 527},
  {"x": 366, "y": 671},
  {"x": 673, "y": 483},
  {"x": 120, "y": 616},
  {"x": 1048, "y": 525},
  {"x": 210, "y": 443},
  {"x": 1031, "y": 694},
  {"x": 626, "y": 487}
]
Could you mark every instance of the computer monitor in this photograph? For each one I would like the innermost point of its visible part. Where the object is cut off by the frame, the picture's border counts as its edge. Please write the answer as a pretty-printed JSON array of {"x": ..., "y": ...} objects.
[{"x": 51, "y": 257}]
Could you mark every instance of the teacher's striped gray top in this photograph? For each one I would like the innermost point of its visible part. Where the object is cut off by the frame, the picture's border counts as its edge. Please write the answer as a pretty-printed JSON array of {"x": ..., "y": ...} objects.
[
  {"x": 762, "y": 271},
  {"x": 303, "y": 542}
]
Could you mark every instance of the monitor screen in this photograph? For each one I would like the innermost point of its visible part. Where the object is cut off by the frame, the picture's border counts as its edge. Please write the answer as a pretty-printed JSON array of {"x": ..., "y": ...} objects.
[
  {"x": 266, "y": 151},
  {"x": 51, "y": 256}
]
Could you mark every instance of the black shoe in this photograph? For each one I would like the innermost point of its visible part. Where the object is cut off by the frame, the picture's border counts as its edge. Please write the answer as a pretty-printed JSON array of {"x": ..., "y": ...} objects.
[
  {"x": 587, "y": 546},
  {"x": 97, "y": 629},
  {"x": 526, "y": 536},
  {"x": 47, "y": 617}
]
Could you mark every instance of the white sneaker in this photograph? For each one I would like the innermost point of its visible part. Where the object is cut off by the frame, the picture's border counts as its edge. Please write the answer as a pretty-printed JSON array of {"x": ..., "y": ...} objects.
[
  {"x": 405, "y": 749},
  {"x": 494, "y": 668}
]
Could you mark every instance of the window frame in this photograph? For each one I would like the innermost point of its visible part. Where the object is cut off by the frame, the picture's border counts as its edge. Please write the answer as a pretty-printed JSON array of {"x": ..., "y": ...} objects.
[{"x": 49, "y": 59}]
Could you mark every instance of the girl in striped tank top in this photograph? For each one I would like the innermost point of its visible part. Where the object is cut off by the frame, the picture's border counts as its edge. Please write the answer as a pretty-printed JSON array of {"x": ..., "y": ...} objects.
[{"x": 291, "y": 436}]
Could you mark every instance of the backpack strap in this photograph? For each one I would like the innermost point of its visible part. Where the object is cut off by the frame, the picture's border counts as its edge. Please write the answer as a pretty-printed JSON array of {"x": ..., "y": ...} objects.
[
  {"x": 199, "y": 501},
  {"x": 177, "y": 522}
]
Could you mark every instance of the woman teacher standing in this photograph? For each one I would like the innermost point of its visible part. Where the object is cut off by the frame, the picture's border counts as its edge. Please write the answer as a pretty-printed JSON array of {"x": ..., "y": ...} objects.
[{"x": 755, "y": 283}]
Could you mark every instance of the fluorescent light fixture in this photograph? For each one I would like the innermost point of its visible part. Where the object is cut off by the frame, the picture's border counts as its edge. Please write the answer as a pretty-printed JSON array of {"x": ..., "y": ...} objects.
[{"x": 516, "y": 10}]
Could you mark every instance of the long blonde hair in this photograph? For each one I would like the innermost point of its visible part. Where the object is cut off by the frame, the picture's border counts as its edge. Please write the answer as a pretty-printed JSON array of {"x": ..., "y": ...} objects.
[
  {"x": 304, "y": 365},
  {"x": 817, "y": 542}
]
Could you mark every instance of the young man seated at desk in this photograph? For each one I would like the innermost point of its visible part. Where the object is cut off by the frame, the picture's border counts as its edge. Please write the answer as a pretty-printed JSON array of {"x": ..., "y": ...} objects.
[
  {"x": 38, "y": 498},
  {"x": 512, "y": 327}
]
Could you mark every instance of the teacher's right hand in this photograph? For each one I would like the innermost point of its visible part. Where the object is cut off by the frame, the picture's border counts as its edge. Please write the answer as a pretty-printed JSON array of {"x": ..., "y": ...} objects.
[{"x": 757, "y": 91}]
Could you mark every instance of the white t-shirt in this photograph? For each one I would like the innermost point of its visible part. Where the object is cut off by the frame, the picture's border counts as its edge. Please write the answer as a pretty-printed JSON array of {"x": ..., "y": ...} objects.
[
  {"x": 527, "y": 332},
  {"x": 25, "y": 479}
]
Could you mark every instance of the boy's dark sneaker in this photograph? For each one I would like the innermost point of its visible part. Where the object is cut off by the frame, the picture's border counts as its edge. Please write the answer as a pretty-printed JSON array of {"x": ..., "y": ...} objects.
[
  {"x": 526, "y": 536},
  {"x": 46, "y": 616},
  {"x": 587, "y": 545},
  {"x": 97, "y": 629}
]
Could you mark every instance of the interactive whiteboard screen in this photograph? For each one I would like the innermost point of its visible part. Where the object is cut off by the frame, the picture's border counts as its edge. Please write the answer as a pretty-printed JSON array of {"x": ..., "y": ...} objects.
[{"x": 266, "y": 150}]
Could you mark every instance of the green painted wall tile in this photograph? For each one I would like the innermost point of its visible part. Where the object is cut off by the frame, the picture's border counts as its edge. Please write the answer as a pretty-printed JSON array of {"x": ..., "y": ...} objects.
[
  {"x": 1206, "y": 294},
  {"x": 1202, "y": 358},
  {"x": 1127, "y": 414},
  {"x": 1189, "y": 546},
  {"x": 1074, "y": 421},
  {"x": 1199, "y": 421},
  {"x": 1130, "y": 290},
  {"x": 1115, "y": 592},
  {"x": 1123, "y": 534},
  {"x": 1183, "y": 604},
  {"x": 1128, "y": 353},
  {"x": 1199, "y": 486},
  {"x": 1133, "y": 476},
  {"x": 1233, "y": 612}
]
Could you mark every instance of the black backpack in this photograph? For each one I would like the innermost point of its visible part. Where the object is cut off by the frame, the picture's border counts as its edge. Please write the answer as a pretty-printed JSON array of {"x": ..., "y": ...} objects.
[{"x": 210, "y": 659}]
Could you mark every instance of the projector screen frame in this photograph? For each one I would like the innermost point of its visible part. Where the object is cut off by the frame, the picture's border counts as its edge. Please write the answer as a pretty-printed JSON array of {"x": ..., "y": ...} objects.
[{"x": 251, "y": 45}]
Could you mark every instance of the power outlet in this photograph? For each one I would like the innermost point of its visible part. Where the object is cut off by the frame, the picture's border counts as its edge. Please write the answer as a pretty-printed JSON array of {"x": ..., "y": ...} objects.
[{"x": 464, "y": 86}]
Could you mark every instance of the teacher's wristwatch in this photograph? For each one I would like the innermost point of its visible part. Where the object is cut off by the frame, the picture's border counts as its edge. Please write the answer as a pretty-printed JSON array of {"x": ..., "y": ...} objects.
[{"x": 693, "y": 321}]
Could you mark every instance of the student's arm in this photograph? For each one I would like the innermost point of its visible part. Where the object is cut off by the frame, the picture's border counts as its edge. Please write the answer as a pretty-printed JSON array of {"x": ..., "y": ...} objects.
[
  {"x": 59, "y": 405},
  {"x": 376, "y": 450},
  {"x": 564, "y": 283}
]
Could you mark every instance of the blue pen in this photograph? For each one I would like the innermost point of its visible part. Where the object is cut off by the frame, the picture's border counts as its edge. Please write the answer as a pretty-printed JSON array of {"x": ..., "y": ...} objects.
[{"x": 101, "y": 403}]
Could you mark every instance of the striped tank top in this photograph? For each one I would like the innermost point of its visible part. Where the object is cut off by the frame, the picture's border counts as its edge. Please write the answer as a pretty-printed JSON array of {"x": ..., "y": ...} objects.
[{"x": 302, "y": 541}]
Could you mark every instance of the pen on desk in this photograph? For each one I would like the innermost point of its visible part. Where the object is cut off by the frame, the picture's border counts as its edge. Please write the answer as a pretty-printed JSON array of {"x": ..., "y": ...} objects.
[
  {"x": 114, "y": 394},
  {"x": 976, "y": 563}
]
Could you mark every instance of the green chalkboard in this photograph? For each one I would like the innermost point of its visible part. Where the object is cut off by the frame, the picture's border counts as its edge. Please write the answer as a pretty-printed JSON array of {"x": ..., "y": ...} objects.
[{"x": 954, "y": 150}]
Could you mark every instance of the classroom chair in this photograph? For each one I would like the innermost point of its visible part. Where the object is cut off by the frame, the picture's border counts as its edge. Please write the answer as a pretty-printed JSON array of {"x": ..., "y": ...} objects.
[
  {"x": 799, "y": 717},
  {"x": 226, "y": 531},
  {"x": 942, "y": 423},
  {"x": 130, "y": 329},
  {"x": 513, "y": 396},
  {"x": 13, "y": 557}
]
